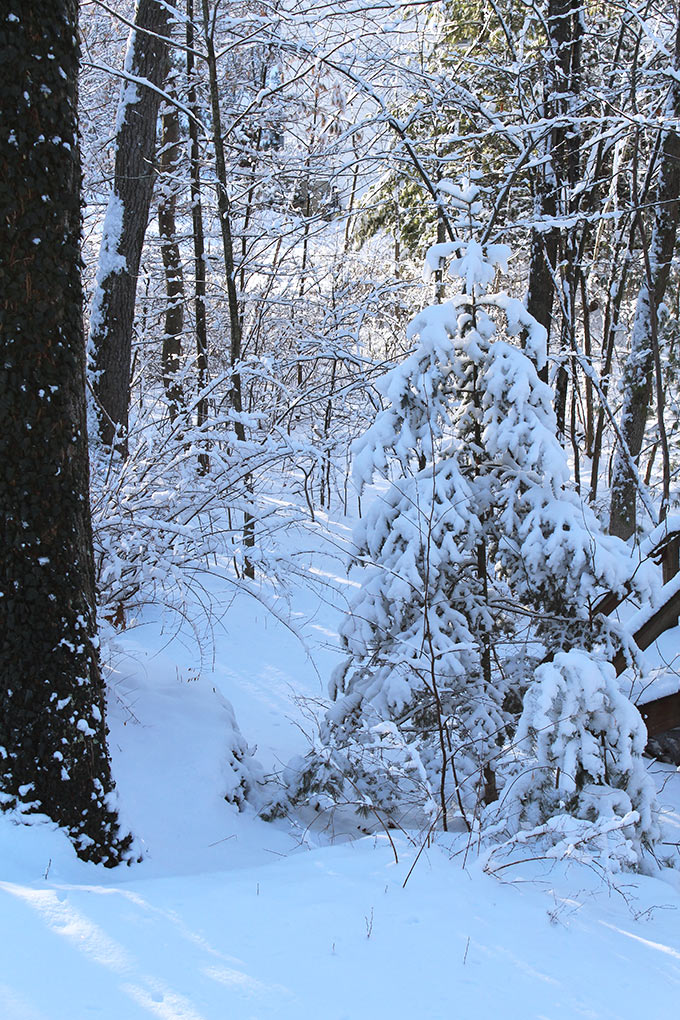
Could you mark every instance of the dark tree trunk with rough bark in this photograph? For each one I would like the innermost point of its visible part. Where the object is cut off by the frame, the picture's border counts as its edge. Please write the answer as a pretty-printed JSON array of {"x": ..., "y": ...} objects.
[
  {"x": 53, "y": 757},
  {"x": 639, "y": 369},
  {"x": 113, "y": 307}
]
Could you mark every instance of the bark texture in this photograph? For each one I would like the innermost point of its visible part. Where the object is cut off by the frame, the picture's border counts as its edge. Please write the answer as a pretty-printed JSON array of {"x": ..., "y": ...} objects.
[
  {"x": 113, "y": 307},
  {"x": 53, "y": 757}
]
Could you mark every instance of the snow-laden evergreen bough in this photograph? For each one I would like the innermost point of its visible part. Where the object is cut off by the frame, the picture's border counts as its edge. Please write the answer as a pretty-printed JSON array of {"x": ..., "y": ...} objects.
[{"x": 478, "y": 563}]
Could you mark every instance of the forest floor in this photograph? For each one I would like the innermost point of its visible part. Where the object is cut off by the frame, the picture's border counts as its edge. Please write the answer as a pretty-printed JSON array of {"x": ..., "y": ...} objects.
[{"x": 231, "y": 918}]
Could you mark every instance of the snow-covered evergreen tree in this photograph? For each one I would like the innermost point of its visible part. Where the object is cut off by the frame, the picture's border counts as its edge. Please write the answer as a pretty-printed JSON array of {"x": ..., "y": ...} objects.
[
  {"x": 471, "y": 535},
  {"x": 581, "y": 743}
]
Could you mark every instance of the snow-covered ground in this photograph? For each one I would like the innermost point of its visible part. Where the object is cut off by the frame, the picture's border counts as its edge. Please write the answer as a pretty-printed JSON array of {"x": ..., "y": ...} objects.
[{"x": 230, "y": 918}]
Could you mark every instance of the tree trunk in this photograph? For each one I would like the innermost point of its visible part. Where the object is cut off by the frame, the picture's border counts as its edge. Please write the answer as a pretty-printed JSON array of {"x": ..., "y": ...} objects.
[
  {"x": 224, "y": 208},
  {"x": 639, "y": 368},
  {"x": 542, "y": 267},
  {"x": 53, "y": 757},
  {"x": 561, "y": 85},
  {"x": 172, "y": 263},
  {"x": 197, "y": 235},
  {"x": 113, "y": 306}
]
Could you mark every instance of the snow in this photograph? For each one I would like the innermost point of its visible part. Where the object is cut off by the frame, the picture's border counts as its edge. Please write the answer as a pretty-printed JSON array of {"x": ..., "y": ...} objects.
[
  {"x": 662, "y": 595},
  {"x": 229, "y": 916},
  {"x": 313, "y": 935},
  {"x": 110, "y": 259}
]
